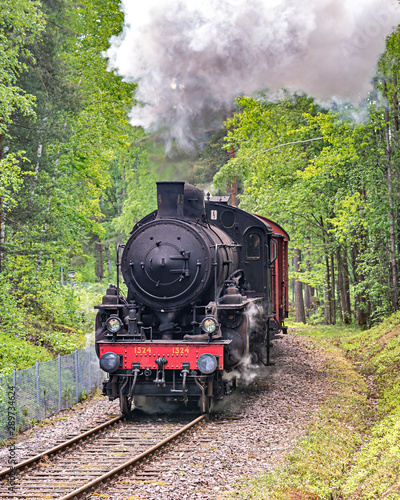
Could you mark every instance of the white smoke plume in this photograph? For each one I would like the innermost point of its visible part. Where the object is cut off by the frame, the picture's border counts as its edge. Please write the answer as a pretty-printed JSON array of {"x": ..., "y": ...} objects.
[{"x": 191, "y": 58}]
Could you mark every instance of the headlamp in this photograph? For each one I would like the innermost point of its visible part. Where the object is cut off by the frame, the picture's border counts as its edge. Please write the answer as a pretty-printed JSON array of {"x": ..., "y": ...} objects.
[
  {"x": 114, "y": 324},
  {"x": 110, "y": 362},
  {"x": 209, "y": 324},
  {"x": 207, "y": 363}
]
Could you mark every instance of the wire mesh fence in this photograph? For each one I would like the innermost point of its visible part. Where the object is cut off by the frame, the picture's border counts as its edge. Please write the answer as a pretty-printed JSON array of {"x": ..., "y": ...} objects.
[{"x": 41, "y": 390}]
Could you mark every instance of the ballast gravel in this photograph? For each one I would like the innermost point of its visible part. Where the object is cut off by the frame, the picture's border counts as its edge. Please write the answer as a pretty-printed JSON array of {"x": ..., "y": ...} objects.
[
  {"x": 257, "y": 426},
  {"x": 60, "y": 427},
  {"x": 250, "y": 434}
]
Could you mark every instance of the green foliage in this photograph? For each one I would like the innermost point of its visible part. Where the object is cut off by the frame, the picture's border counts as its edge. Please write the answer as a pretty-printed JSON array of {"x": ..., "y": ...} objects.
[
  {"x": 21, "y": 22},
  {"x": 324, "y": 179},
  {"x": 376, "y": 469},
  {"x": 84, "y": 395},
  {"x": 213, "y": 157},
  {"x": 379, "y": 350},
  {"x": 10, "y": 317},
  {"x": 19, "y": 353},
  {"x": 351, "y": 449},
  {"x": 42, "y": 295},
  {"x": 140, "y": 193},
  {"x": 11, "y": 179},
  {"x": 42, "y": 317},
  {"x": 58, "y": 341},
  {"x": 81, "y": 130}
]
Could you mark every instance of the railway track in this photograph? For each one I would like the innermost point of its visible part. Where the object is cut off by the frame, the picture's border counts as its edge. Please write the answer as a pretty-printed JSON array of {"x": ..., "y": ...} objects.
[{"x": 78, "y": 466}]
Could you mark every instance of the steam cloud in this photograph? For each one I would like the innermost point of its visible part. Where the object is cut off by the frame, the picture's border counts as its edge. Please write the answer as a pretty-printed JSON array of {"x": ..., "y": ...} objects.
[{"x": 191, "y": 58}]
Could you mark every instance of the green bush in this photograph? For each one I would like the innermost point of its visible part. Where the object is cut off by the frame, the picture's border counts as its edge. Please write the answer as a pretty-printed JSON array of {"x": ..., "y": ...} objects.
[
  {"x": 11, "y": 319},
  {"x": 18, "y": 353},
  {"x": 41, "y": 318}
]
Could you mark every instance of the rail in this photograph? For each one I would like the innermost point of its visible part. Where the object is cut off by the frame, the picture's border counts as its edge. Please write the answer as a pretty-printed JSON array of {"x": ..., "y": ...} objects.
[
  {"x": 129, "y": 463},
  {"x": 67, "y": 471},
  {"x": 60, "y": 447}
]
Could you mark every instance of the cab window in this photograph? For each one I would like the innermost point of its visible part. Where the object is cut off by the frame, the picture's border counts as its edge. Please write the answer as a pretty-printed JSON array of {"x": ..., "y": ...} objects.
[{"x": 253, "y": 246}]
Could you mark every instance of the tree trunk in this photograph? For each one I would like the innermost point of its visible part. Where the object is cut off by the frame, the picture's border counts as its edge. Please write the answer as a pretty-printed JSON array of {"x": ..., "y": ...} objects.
[
  {"x": 340, "y": 284},
  {"x": 327, "y": 304},
  {"x": 300, "y": 314},
  {"x": 99, "y": 268},
  {"x": 1, "y": 210},
  {"x": 397, "y": 144},
  {"x": 307, "y": 288},
  {"x": 101, "y": 263},
  {"x": 291, "y": 285},
  {"x": 53, "y": 179},
  {"x": 333, "y": 291},
  {"x": 395, "y": 292},
  {"x": 307, "y": 299},
  {"x": 396, "y": 103},
  {"x": 343, "y": 285},
  {"x": 360, "y": 304},
  {"x": 346, "y": 289},
  {"x": 329, "y": 308},
  {"x": 354, "y": 256},
  {"x": 109, "y": 264}
]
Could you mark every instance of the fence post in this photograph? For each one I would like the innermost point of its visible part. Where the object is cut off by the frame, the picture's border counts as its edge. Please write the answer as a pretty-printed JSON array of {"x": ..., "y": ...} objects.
[
  {"x": 37, "y": 391},
  {"x": 76, "y": 375},
  {"x": 15, "y": 386},
  {"x": 14, "y": 383},
  {"x": 90, "y": 370},
  {"x": 59, "y": 381}
]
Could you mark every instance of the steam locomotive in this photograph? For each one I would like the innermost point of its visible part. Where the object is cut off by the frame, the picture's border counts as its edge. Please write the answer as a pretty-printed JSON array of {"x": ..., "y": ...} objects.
[{"x": 207, "y": 288}]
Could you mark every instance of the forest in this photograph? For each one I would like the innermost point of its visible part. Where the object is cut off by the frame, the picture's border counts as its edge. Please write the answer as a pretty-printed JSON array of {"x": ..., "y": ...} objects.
[{"x": 75, "y": 176}]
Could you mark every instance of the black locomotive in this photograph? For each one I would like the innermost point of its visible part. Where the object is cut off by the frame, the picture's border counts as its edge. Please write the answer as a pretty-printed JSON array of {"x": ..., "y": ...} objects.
[{"x": 207, "y": 287}]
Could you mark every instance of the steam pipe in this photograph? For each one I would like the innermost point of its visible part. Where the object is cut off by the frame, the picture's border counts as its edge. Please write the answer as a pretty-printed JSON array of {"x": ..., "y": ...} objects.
[
  {"x": 203, "y": 394},
  {"x": 184, "y": 375},
  {"x": 123, "y": 387},
  {"x": 136, "y": 372}
]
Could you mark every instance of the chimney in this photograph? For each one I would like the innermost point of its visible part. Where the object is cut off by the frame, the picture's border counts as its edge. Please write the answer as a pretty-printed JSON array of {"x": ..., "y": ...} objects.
[{"x": 170, "y": 199}]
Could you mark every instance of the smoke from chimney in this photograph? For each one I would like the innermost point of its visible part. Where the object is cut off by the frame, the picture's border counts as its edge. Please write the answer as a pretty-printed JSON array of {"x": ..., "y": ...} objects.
[{"x": 191, "y": 58}]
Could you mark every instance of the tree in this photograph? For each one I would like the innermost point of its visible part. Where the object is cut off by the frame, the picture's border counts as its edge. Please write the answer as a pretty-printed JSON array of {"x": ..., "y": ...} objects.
[
  {"x": 304, "y": 168},
  {"x": 81, "y": 128},
  {"x": 21, "y": 22}
]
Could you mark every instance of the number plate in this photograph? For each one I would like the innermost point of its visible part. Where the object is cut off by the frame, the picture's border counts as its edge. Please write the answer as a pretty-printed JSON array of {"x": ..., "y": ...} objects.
[{"x": 146, "y": 354}]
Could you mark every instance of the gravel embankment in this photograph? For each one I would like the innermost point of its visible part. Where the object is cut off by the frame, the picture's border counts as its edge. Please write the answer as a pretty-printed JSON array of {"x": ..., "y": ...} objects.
[
  {"x": 274, "y": 412},
  {"x": 60, "y": 427},
  {"x": 270, "y": 414}
]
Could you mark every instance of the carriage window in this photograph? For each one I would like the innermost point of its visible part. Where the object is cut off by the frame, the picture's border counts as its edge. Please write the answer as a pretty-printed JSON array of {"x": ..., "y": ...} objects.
[{"x": 253, "y": 246}]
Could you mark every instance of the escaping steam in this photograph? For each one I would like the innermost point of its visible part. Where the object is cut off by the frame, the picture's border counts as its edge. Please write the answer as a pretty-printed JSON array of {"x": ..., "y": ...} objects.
[{"x": 191, "y": 58}]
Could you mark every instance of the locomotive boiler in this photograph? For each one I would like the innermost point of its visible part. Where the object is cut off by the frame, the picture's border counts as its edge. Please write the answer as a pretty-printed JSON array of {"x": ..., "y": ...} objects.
[{"x": 206, "y": 289}]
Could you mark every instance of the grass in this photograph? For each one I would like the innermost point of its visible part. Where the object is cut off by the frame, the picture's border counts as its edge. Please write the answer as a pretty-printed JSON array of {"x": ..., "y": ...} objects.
[
  {"x": 19, "y": 353},
  {"x": 351, "y": 450}
]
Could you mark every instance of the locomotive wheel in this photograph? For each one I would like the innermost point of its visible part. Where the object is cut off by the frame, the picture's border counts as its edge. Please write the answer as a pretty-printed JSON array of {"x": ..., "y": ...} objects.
[{"x": 125, "y": 404}]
